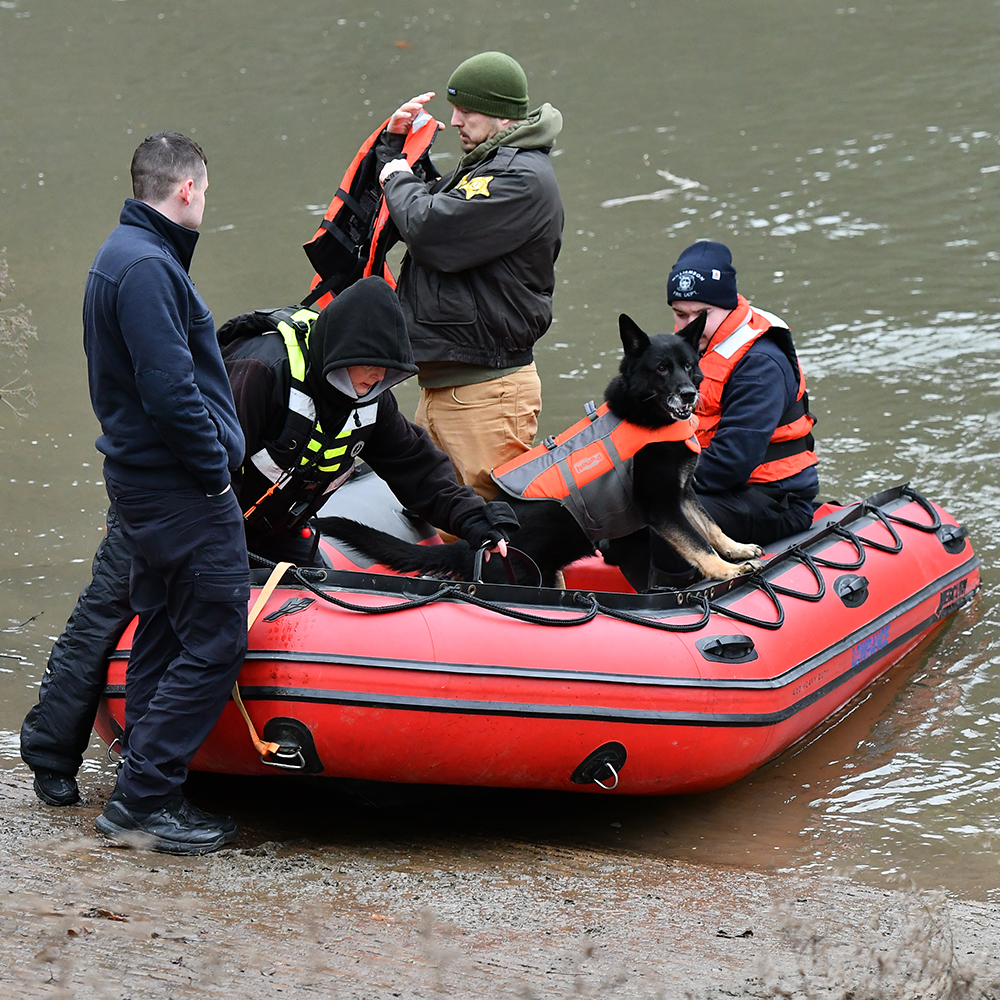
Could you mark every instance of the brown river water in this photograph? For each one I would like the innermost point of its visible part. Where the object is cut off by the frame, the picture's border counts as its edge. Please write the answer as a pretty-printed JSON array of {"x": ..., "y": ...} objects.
[{"x": 849, "y": 156}]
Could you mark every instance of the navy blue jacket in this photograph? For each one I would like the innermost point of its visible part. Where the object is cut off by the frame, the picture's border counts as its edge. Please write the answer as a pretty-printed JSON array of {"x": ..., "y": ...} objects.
[
  {"x": 157, "y": 382},
  {"x": 762, "y": 386}
]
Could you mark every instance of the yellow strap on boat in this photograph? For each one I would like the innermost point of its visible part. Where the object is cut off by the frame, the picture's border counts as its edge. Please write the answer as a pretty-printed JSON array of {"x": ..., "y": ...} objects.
[{"x": 262, "y": 598}]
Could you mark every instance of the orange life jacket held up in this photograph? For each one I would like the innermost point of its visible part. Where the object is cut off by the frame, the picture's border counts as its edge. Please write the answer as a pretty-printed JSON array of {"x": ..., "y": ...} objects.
[
  {"x": 791, "y": 448},
  {"x": 588, "y": 469},
  {"x": 353, "y": 238}
]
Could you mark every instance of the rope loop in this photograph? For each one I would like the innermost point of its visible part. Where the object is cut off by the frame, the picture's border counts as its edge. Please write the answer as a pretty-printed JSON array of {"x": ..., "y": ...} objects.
[
  {"x": 845, "y": 533},
  {"x": 810, "y": 564},
  {"x": 626, "y": 616},
  {"x": 926, "y": 506},
  {"x": 757, "y": 581},
  {"x": 897, "y": 542}
]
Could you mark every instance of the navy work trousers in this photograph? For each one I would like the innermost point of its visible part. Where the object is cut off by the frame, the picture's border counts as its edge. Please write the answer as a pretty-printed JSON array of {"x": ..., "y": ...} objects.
[
  {"x": 189, "y": 584},
  {"x": 56, "y": 731}
]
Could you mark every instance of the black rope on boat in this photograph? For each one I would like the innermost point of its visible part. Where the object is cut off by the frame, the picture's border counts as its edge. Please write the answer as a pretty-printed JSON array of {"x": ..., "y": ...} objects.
[
  {"x": 926, "y": 506},
  {"x": 757, "y": 581},
  {"x": 897, "y": 545},
  {"x": 848, "y": 535},
  {"x": 626, "y": 616},
  {"x": 524, "y": 616},
  {"x": 301, "y": 574},
  {"x": 446, "y": 590},
  {"x": 810, "y": 564},
  {"x": 456, "y": 591}
]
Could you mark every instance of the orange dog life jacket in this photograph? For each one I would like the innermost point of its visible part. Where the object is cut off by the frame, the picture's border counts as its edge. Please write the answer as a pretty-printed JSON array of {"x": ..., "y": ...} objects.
[{"x": 588, "y": 469}]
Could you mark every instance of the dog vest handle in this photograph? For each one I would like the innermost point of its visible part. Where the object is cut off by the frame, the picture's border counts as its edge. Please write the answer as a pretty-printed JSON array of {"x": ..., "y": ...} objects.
[{"x": 477, "y": 565}]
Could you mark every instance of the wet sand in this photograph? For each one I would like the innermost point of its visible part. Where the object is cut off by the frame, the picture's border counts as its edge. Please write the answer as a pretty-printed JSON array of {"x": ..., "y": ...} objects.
[{"x": 379, "y": 894}]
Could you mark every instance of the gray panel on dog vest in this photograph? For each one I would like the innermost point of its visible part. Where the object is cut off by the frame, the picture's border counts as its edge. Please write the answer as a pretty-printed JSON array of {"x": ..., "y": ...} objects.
[{"x": 604, "y": 507}]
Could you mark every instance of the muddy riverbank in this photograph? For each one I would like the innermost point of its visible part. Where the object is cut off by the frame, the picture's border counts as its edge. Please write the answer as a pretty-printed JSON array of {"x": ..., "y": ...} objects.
[{"x": 344, "y": 897}]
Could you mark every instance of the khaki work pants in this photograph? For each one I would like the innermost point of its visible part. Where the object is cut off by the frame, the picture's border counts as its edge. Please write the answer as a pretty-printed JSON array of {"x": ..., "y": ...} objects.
[{"x": 483, "y": 425}]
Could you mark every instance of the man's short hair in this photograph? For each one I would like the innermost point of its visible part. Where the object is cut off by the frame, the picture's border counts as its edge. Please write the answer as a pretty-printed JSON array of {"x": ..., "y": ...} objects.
[{"x": 163, "y": 160}]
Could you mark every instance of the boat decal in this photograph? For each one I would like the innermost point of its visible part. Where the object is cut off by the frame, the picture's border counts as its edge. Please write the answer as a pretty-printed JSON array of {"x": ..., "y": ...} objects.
[
  {"x": 952, "y": 597},
  {"x": 290, "y": 607},
  {"x": 866, "y": 648}
]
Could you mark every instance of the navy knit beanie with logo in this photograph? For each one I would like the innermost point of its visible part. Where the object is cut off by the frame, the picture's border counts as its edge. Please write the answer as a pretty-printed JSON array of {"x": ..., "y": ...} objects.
[
  {"x": 491, "y": 83},
  {"x": 704, "y": 273}
]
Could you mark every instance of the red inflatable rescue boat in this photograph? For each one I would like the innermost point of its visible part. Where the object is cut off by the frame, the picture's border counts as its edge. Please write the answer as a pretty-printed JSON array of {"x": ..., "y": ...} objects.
[{"x": 356, "y": 673}]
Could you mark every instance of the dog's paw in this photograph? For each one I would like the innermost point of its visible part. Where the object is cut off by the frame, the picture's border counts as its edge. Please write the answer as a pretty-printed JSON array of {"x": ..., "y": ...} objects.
[
  {"x": 723, "y": 570},
  {"x": 738, "y": 553}
]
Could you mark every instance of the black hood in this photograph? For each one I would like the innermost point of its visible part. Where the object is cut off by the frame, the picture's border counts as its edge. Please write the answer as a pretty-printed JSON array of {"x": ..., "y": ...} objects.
[{"x": 363, "y": 325}]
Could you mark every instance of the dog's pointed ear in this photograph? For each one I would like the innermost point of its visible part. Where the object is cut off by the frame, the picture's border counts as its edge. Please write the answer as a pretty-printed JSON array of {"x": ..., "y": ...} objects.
[
  {"x": 691, "y": 334},
  {"x": 633, "y": 339}
]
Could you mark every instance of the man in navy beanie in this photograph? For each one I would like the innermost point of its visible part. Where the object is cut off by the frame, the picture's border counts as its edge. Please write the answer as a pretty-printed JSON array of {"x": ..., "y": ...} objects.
[{"x": 756, "y": 476}]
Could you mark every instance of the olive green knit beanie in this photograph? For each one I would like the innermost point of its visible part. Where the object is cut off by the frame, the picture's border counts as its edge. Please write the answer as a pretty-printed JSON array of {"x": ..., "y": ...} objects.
[{"x": 491, "y": 83}]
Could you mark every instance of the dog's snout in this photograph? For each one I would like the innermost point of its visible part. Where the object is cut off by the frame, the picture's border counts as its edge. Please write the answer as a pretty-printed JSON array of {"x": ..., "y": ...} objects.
[{"x": 689, "y": 396}]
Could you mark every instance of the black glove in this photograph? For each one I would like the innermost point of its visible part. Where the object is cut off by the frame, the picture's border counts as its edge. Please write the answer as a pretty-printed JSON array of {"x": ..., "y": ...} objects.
[{"x": 492, "y": 523}]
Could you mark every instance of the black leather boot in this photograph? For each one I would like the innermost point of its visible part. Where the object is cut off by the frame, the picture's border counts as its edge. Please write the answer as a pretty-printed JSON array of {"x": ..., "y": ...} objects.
[{"x": 56, "y": 789}]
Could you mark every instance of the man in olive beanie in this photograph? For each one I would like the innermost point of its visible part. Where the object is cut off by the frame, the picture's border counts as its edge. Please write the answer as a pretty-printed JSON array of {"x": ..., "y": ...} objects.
[
  {"x": 491, "y": 83},
  {"x": 477, "y": 280}
]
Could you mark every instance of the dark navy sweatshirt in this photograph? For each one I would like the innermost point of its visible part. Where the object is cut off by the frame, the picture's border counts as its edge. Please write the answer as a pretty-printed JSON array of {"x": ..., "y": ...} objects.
[
  {"x": 157, "y": 382},
  {"x": 762, "y": 386}
]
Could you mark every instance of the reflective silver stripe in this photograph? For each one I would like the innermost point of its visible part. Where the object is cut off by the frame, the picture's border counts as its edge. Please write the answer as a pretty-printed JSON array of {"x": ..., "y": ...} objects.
[
  {"x": 302, "y": 404},
  {"x": 743, "y": 334},
  {"x": 771, "y": 318},
  {"x": 366, "y": 415},
  {"x": 266, "y": 466}
]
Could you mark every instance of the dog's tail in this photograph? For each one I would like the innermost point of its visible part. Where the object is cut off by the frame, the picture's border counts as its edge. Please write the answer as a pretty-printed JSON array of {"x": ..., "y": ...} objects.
[{"x": 446, "y": 562}]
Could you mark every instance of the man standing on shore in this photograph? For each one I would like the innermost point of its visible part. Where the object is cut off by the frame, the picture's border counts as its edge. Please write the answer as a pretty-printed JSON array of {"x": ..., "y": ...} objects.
[
  {"x": 477, "y": 280},
  {"x": 170, "y": 438}
]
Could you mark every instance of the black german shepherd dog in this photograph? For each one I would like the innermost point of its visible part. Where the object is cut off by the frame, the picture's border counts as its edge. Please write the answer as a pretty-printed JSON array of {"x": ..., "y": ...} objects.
[{"x": 657, "y": 385}]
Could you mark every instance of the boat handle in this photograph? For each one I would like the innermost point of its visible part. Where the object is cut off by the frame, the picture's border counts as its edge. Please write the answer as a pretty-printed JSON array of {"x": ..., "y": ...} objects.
[
  {"x": 849, "y": 536},
  {"x": 611, "y": 768},
  {"x": 293, "y": 753},
  {"x": 925, "y": 505},
  {"x": 952, "y": 537}
]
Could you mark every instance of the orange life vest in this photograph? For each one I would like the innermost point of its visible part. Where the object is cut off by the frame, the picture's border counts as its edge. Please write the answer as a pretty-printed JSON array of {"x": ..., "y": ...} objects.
[
  {"x": 791, "y": 448},
  {"x": 588, "y": 469},
  {"x": 352, "y": 240}
]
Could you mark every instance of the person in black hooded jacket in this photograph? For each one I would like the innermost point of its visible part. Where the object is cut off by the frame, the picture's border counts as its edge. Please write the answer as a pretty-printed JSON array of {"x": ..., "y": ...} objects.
[{"x": 356, "y": 350}]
